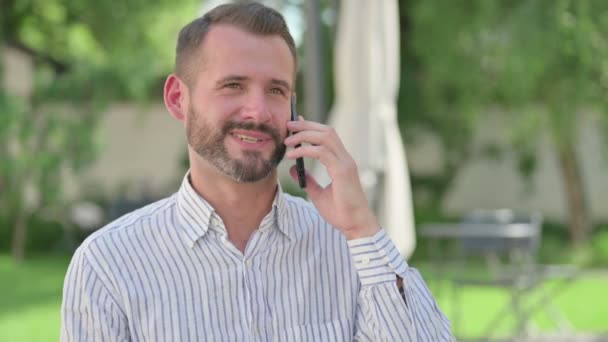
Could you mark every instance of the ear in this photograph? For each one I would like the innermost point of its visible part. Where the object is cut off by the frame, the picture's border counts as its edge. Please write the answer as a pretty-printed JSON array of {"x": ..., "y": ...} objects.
[{"x": 176, "y": 97}]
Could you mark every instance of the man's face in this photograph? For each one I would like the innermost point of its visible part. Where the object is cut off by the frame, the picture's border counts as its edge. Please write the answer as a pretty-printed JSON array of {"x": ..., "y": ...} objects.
[{"x": 240, "y": 102}]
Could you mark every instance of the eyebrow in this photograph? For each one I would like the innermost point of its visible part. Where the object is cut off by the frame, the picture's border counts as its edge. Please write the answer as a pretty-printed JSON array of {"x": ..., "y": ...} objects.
[
  {"x": 230, "y": 78},
  {"x": 235, "y": 78}
]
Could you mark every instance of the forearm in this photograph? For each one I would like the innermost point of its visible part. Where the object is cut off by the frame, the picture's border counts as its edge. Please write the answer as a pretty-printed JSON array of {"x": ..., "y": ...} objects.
[{"x": 384, "y": 312}]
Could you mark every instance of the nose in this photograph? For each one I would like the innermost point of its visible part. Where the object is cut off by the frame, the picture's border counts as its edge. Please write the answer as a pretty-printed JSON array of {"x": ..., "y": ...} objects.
[{"x": 256, "y": 107}]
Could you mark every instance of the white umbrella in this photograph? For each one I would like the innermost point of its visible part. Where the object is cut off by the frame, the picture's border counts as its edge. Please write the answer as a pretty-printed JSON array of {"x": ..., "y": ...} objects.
[{"x": 365, "y": 115}]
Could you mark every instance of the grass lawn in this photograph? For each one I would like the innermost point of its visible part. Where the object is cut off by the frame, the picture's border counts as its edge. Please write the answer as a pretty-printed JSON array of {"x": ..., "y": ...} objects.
[
  {"x": 30, "y": 298},
  {"x": 583, "y": 304}
]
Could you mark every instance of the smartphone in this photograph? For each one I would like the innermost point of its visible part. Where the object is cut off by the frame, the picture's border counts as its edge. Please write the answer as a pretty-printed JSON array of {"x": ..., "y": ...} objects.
[{"x": 299, "y": 161}]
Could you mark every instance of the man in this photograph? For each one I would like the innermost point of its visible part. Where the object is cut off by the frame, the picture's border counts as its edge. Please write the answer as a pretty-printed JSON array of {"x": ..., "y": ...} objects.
[{"x": 230, "y": 257}]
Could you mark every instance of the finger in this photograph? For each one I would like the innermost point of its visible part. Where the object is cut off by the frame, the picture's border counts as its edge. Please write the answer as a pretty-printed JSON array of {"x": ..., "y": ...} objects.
[
  {"x": 337, "y": 145},
  {"x": 304, "y": 125},
  {"x": 313, "y": 189},
  {"x": 313, "y": 138},
  {"x": 320, "y": 153}
]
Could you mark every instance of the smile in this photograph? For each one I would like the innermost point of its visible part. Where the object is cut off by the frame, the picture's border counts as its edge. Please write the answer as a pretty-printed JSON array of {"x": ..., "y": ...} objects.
[{"x": 247, "y": 138}]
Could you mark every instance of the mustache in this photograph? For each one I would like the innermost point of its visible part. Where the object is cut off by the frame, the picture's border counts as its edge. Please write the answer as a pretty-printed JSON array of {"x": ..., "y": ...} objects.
[{"x": 252, "y": 126}]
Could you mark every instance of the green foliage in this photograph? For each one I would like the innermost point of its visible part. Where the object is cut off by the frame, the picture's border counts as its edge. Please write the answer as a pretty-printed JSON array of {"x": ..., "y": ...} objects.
[
  {"x": 599, "y": 246},
  {"x": 537, "y": 64},
  {"x": 540, "y": 60},
  {"x": 48, "y": 238},
  {"x": 85, "y": 54},
  {"x": 97, "y": 49},
  {"x": 420, "y": 113},
  {"x": 36, "y": 145}
]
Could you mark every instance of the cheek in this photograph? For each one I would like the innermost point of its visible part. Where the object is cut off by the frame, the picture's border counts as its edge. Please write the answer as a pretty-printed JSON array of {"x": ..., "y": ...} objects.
[
  {"x": 281, "y": 114},
  {"x": 224, "y": 108},
  {"x": 213, "y": 106},
  {"x": 281, "y": 126}
]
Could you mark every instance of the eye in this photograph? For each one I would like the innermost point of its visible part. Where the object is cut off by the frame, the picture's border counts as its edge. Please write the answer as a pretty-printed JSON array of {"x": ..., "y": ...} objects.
[
  {"x": 232, "y": 85},
  {"x": 277, "y": 91}
]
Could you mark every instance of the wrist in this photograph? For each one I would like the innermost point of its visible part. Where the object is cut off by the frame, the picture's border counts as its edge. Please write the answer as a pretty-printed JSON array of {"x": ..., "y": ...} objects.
[
  {"x": 362, "y": 232},
  {"x": 363, "y": 223}
]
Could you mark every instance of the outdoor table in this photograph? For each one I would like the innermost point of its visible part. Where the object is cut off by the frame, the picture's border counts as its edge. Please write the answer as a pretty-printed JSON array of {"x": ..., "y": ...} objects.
[{"x": 509, "y": 251}]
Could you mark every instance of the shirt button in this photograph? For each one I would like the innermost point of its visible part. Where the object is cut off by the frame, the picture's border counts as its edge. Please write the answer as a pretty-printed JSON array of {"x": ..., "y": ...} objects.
[
  {"x": 248, "y": 262},
  {"x": 365, "y": 260}
]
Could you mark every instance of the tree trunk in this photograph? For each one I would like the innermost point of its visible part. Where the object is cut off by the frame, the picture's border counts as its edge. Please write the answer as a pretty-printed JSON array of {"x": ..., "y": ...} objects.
[
  {"x": 19, "y": 237},
  {"x": 578, "y": 216}
]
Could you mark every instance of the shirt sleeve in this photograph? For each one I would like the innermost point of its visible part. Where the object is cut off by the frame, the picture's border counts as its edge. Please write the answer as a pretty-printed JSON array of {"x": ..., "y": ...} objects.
[
  {"x": 89, "y": 311},
  {"x": 382, "y": 313}
]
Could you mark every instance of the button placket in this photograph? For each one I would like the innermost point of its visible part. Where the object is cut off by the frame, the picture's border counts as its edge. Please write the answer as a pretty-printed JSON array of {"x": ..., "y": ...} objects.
[{"x": 249, "y": 293}]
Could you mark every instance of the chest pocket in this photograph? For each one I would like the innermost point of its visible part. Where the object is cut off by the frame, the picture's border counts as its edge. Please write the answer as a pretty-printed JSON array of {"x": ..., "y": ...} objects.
[{"x": 334, "y": 331}]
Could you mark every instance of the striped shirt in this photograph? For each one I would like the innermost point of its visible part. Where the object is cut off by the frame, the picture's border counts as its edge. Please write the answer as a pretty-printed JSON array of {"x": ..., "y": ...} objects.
[{"x": 167, "y": 272}]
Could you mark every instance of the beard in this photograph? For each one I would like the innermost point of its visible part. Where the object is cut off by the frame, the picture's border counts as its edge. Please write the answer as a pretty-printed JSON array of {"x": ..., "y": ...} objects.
[{"x": 209, "y": 143}]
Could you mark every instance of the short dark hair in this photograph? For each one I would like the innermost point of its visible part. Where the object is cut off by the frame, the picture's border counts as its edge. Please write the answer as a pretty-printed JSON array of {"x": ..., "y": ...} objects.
[{"x": 252, "y": 17}]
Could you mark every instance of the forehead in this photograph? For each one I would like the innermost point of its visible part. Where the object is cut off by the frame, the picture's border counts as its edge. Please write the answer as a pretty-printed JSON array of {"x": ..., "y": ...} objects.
[{"x": 227, "y": 49}]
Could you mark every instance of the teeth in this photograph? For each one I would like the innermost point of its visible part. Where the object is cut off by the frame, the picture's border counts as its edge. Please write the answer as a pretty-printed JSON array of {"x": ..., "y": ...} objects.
[{"x": 248, "y": 139}]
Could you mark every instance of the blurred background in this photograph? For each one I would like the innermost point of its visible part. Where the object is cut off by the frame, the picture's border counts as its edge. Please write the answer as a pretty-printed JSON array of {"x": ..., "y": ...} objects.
[{"x": 493, "y": 104}]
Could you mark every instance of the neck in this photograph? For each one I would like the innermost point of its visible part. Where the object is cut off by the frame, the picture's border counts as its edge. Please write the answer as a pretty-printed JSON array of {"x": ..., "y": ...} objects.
[{"x": 241, "y": 206}]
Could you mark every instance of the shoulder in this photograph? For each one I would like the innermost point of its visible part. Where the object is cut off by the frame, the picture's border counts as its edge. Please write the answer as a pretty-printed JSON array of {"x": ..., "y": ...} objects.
[{"x": 124, "y": 244}]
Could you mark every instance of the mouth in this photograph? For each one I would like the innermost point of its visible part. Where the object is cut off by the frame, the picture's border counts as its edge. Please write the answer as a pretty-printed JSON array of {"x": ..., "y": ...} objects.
[
  {"x": 251, "y": 140},
  {"x": 247, "y": 138}
]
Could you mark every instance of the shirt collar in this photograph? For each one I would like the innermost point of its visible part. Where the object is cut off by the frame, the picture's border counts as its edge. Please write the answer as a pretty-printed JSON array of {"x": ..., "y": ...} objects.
[
  {"x": 281, "y": 210},
  {"x": 193, "y": 211},
  {"x": 198, "y": 216}
]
